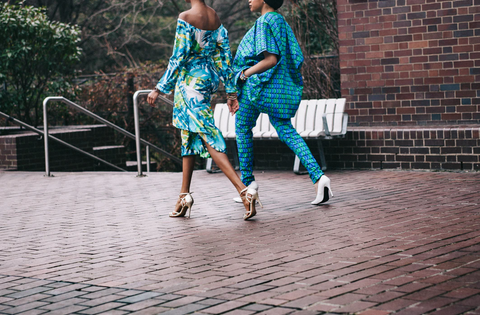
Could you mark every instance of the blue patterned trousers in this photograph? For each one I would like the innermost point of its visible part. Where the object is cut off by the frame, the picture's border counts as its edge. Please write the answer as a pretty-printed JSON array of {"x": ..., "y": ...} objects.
[{"x": 245, "y": 120}]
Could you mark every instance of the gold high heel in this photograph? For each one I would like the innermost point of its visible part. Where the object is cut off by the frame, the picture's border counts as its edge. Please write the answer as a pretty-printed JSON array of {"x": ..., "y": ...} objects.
[
  {"x": 183, "y": 204},
  {"x": 251, "y": 195}
]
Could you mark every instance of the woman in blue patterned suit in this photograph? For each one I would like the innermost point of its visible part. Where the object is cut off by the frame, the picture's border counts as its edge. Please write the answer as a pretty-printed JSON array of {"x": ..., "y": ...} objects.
[
  {"x": 267, "y": 67},
  {"x": 201, "y": 58}
]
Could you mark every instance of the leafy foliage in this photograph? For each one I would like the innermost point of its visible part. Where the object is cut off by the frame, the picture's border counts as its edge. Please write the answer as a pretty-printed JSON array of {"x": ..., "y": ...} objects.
[
  {"x": 127, "y": 33},
  {"x": 33, "y": 52},
  {"x": 314, "y": 23}
]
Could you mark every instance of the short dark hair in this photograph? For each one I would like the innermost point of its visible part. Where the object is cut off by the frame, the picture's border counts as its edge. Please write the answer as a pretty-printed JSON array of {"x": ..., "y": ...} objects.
[{"x": 275, "y": 4}]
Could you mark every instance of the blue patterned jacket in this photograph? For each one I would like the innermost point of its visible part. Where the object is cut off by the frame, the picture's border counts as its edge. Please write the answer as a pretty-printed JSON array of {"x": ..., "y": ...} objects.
[{"x": 277, "y": 91}]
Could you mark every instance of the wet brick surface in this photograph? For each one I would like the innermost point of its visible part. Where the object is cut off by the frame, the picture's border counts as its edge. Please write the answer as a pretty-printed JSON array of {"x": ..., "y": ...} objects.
[{"x": 398, "y": 242}]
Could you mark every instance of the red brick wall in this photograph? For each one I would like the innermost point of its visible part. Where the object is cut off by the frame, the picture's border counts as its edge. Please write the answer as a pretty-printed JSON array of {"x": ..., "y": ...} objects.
[
  {"x": 405, "y": 148},
  {"x": 447, "y": 148},
  {"x": 410, "y": 62},
  {"x": 8, "y": 153}
]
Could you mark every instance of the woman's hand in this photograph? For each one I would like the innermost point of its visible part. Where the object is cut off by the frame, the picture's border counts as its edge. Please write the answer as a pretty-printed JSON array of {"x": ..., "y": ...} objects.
[
  {"x": 233, "y": 106},
  {"x": 152, "y": 97}
]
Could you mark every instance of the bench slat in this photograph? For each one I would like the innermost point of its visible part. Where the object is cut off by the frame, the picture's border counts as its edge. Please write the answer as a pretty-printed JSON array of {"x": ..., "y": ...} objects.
[
  {"x": 329, "y": 112},
  {"x": 301, "y": 116},
  {"x": 231, "y": 134},
  {"x": 309, "y": 119},
  {"x": 338, "y": 119}
]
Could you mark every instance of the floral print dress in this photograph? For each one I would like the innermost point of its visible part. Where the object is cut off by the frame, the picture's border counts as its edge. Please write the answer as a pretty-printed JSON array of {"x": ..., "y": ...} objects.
[{"x": 200, "y": 59}]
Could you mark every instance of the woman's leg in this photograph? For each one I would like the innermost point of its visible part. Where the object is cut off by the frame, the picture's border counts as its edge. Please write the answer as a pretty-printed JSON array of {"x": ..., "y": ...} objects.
[
  {"x": 295, "y": 142},
  {"x": 222, "y": 161},
  {"x": 188, "y": 164},
  {"x": 246, "y": 117},
  {"x": 185, "y": 200},
  {"x": 248, "y": 195}
]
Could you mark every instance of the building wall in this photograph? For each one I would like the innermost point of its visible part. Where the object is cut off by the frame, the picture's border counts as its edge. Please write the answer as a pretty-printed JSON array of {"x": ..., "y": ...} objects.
[
  {"x": 407, "y": 148},
  {"x": 410, "y": 62},
  {"x": 410, "y": 148}
]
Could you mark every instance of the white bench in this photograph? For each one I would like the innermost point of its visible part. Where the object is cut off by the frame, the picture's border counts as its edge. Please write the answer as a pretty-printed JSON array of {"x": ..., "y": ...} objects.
[{"x": 315, "y": 119}]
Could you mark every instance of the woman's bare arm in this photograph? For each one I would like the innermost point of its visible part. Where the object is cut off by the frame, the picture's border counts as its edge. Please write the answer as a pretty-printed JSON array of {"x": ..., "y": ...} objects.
[{"x": 267, "y": 63}]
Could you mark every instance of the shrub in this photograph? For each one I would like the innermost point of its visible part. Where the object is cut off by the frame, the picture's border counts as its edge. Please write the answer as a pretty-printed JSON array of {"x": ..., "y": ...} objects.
[{"x": 36, "y": 55}]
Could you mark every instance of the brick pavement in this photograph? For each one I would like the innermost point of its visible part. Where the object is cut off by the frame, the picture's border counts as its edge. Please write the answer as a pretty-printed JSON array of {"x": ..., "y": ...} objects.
[{"x": 388, "y": 242}]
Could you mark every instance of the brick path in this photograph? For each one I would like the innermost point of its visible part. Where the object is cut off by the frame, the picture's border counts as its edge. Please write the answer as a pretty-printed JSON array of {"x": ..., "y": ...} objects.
[{"x": 388, "y": 242}]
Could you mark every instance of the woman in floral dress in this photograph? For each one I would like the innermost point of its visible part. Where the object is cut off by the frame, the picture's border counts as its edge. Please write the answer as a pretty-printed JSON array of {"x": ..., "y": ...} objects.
[{"x": 201, "y": 58}]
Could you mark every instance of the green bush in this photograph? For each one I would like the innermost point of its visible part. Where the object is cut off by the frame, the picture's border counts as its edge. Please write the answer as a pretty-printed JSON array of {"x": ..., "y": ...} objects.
[{"x": 36, "y": 56}]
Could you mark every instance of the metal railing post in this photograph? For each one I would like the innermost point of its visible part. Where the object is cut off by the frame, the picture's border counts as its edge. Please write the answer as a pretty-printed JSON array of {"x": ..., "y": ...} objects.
[
  {"x": 45, "y": 138},
  {"x": 137, "y": 129},
  {"x": 137, "y": 126},
  {"x": 45, "y": 132},
  {"x": 148, "y": 158}
]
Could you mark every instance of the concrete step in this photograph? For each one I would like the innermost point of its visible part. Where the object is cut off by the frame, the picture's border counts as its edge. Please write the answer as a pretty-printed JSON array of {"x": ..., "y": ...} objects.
[
  {"x": 114, "y": 154},
  {"x": 132, "y": 166}
]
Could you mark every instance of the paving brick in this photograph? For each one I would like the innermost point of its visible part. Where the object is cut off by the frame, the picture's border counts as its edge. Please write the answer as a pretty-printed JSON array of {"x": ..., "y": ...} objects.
[
  {"x": 270, "y": 301},
  {"x": 345, "y": 299},
  {"x": 304, "y": 302},
  {"x": 256, "y": 307},
  {"x": 453, "y": 310},
  {"x": 412, "y": 311},
  {"x": 424, "y": 294},
  {"x": 322, "y": 307},
  {"x": 107, "y": 307},
  {"x": 471, "y": 301},
  {"x": 141, "y": 305},
  {"x": 151, "y": 310},
  {"x": 413, "y": 286},
  {"x": 434, "y": 303},
  {"x": 23, "y": 308},
  {"x": 355, "y": 307},
  {"x": 100, "y": 300},
  {"x": 304, "y": 312},
  {"x": 240, "y": 312},
  {"x": 140, "y": 297},
  {"x": 384, "y": 297},
  {"x": 276, "y": 311},
  {"x": 395, "y": 305},
  {"x": 374, "y": 289},
  {"x": 24, "y": 293},
  {"x": 65, "y": 296},
  {"x": 63, "y": 304},
  {"x": 224, "y": 307},
  {"x": 27, "y": 299},
  {"x": 373, "y": 312},
  {"x": 294, "y": 295}
]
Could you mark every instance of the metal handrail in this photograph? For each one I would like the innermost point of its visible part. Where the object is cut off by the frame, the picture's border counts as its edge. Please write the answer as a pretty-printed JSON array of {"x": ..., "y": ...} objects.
[
  {"x": 100, "y": 119},
  {"x": 137, "y": 125},
  {"x": 21, "y": 123}
]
